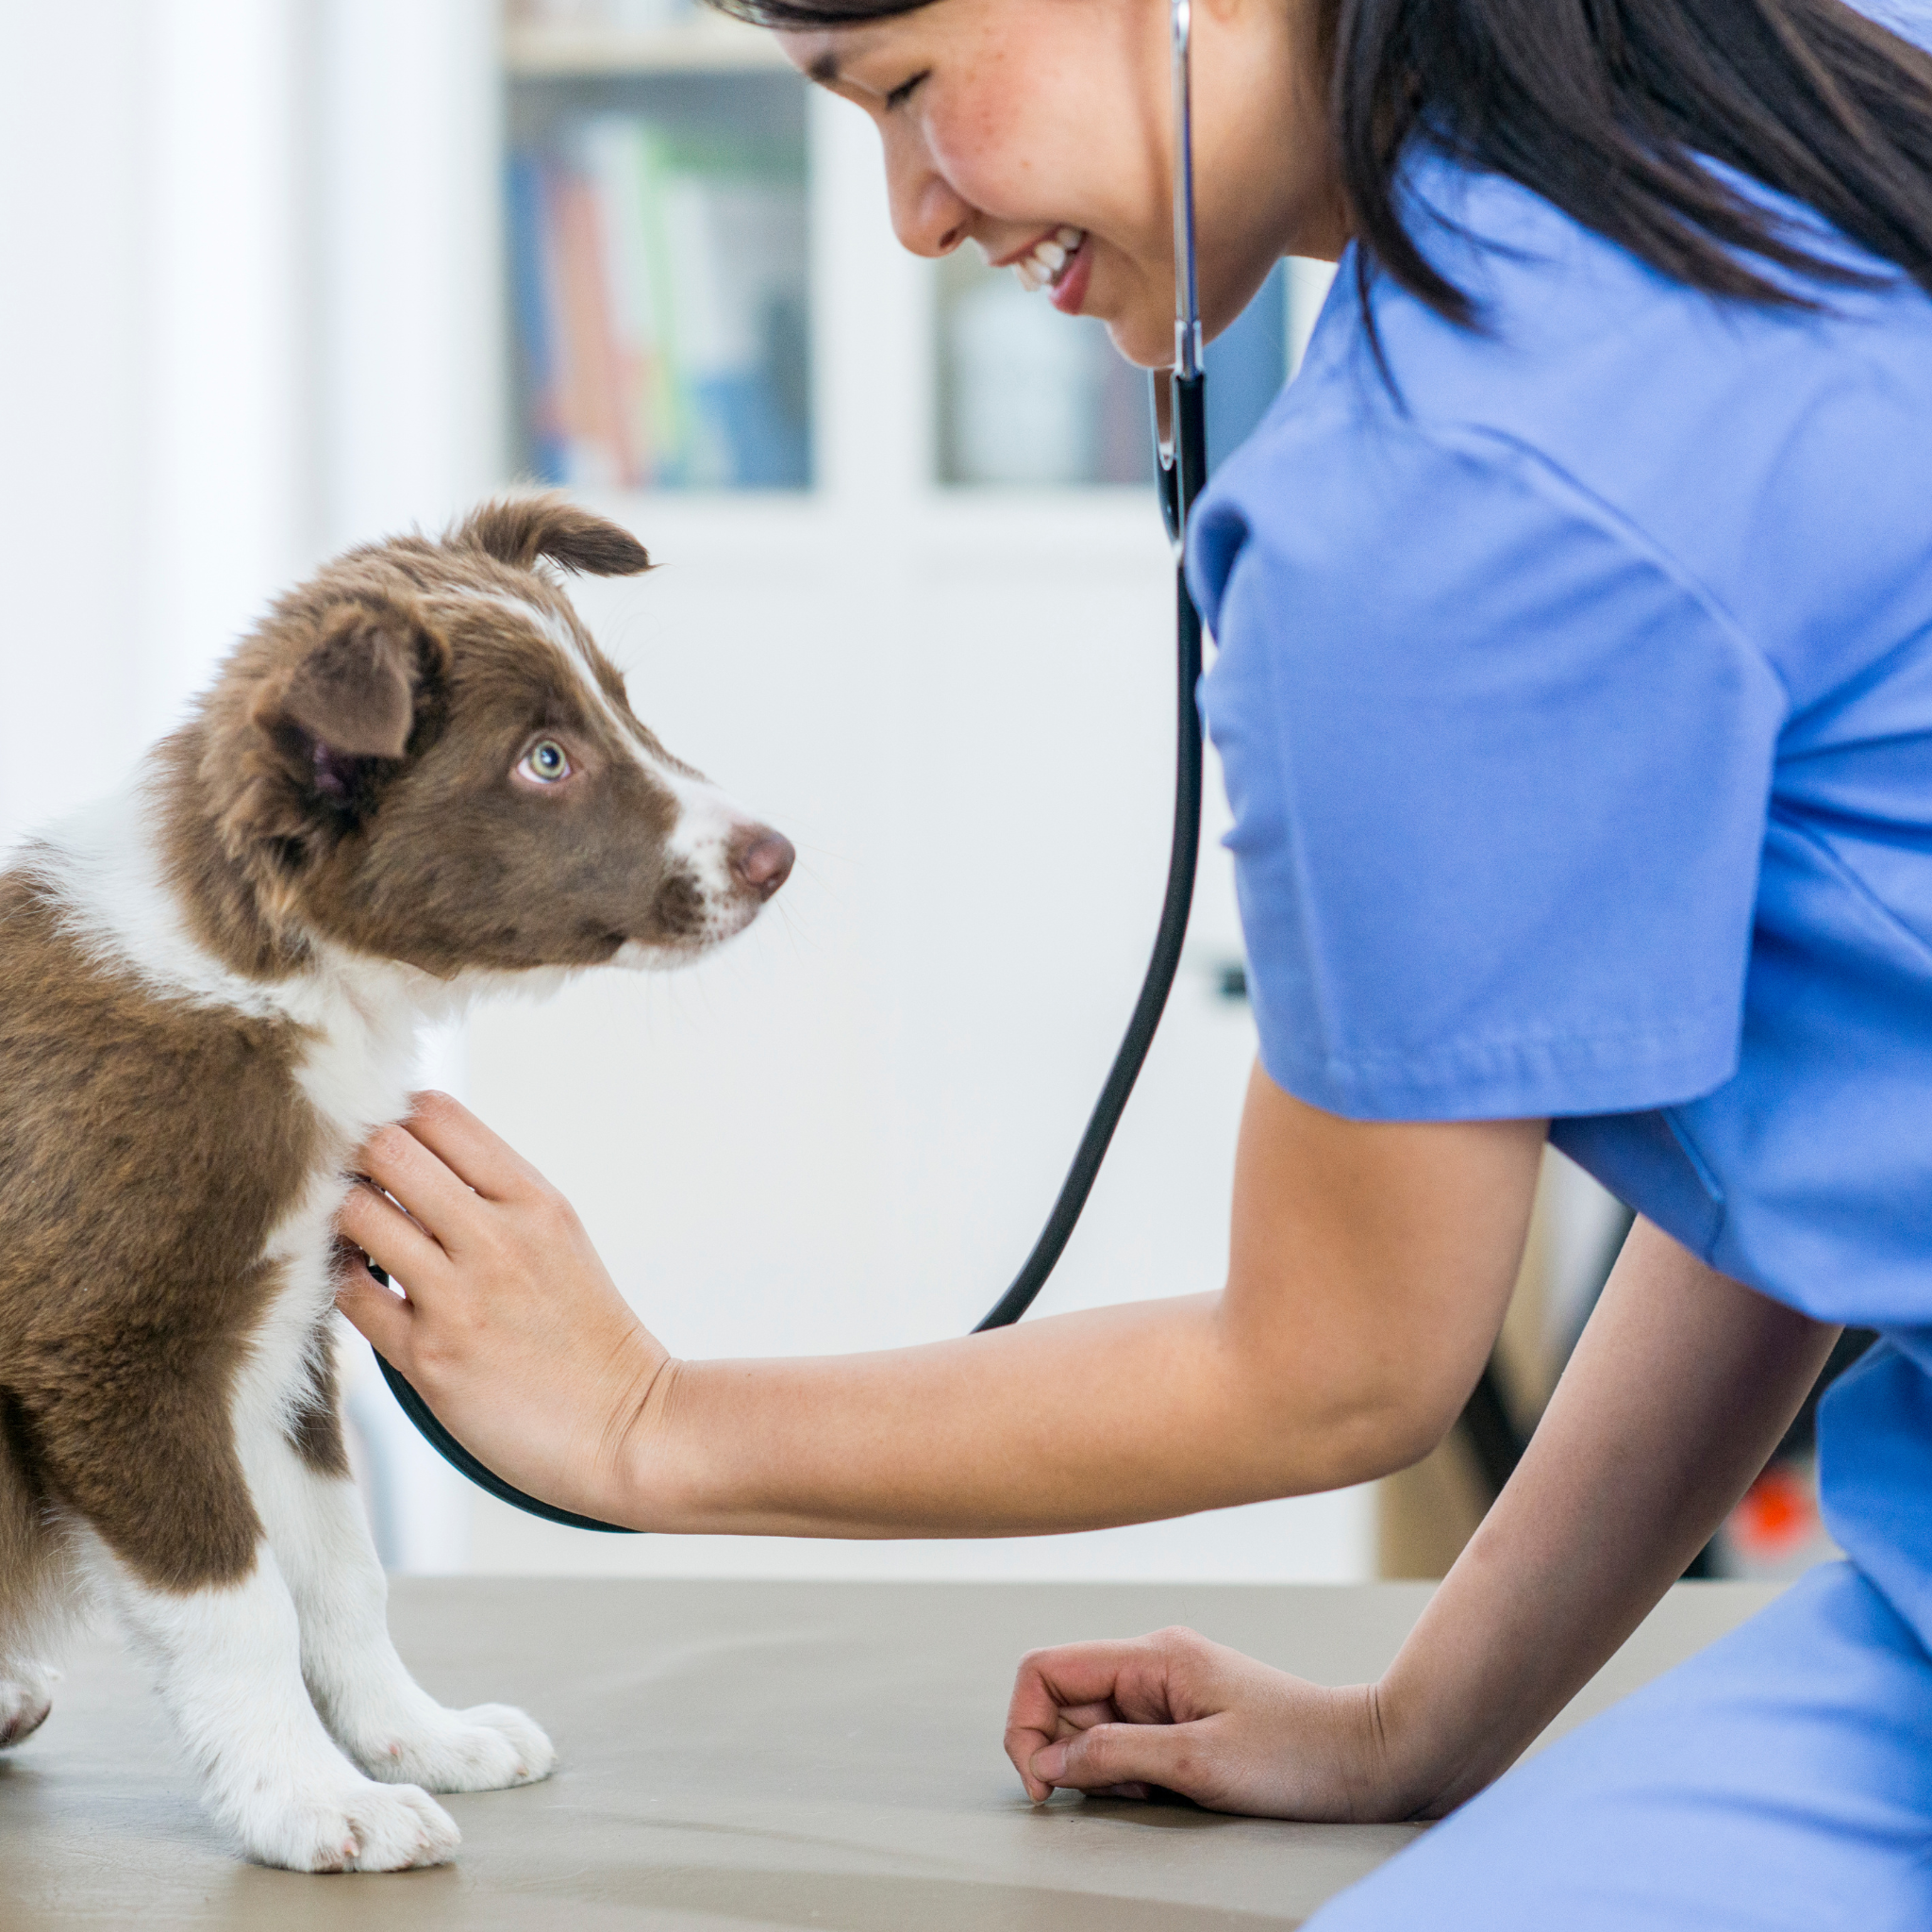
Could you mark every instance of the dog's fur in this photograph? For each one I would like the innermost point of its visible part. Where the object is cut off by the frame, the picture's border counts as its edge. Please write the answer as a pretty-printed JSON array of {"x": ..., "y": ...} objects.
[{"x": 211, "y": 988}]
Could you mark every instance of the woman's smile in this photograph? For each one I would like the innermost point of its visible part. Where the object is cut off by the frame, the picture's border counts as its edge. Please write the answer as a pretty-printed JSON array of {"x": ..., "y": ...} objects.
[
  {"x": 1068, "y": 287},
  {"x": 1060, "y": 263}
]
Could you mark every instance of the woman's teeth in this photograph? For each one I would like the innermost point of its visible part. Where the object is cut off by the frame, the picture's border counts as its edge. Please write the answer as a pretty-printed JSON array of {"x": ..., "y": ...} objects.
[{"x": 1046, "y": 262}]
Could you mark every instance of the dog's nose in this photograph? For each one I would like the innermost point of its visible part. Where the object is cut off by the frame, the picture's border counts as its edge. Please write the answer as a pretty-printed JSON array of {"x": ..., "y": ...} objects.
[{"x": 762, "y": 859}]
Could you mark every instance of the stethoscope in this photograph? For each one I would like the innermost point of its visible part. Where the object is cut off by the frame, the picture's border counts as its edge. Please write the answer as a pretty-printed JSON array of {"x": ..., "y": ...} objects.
[{"x": 1181, "y": 444}]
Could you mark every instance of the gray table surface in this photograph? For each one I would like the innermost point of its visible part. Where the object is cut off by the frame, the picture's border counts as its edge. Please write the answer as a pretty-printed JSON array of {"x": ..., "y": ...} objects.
[{"x": 746, "y": 1755}]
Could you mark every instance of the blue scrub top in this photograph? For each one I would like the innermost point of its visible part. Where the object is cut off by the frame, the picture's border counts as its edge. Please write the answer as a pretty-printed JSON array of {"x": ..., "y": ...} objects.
[{"x": 1575, "y": 699}]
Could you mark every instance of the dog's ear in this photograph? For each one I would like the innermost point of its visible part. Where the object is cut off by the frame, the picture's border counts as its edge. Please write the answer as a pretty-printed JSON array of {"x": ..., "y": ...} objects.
[
  {"x": 355, "y": 690},
  {"x": 352, "y": 694},
  {"x": 518, "y": 529},
  {"x": 314, "y": 715}
]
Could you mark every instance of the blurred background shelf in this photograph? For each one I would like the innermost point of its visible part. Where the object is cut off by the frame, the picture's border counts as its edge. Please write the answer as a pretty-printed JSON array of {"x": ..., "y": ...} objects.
[
  {"x": 696, "y": 242},
  {"x": 708, "y": 44}
]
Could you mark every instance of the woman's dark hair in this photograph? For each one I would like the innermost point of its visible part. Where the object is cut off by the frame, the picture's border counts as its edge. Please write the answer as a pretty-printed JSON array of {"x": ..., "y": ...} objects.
[{"x": 1603, "y": 107}]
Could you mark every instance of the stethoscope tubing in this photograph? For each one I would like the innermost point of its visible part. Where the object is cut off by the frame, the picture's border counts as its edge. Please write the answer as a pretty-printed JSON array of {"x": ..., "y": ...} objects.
[{"x": 1182, "y": 471}]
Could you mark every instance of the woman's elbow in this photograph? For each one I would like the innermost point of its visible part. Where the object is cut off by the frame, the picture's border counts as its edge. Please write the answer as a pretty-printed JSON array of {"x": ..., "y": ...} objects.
[
  {"x": 1366, "y": 1424},
  {"x": 1404, "y": 1426}
]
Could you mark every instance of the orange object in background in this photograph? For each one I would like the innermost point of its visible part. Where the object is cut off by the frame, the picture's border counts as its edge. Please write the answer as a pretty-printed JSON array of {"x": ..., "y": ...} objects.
[{"x": 1778, "y": 1518}]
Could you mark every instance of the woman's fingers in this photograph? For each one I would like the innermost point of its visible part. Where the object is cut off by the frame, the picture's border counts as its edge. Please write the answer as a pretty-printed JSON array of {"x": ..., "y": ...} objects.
[
  {"x": 1116, "y": 1758},
  {"x": 477, "y": 1158},
  {"x": 1050, "y": 1681},
  {"x": 448, "y": 1170},
  {"x": 395, "y": 1241},
  {"x": 1171, "y": 1710},
  {"x": 1079, "y": 1686},
  {"x": 380, "y": 1315},
  {"x": 1176, "y": 1712},
  {"x": 438, "y": 1201}
]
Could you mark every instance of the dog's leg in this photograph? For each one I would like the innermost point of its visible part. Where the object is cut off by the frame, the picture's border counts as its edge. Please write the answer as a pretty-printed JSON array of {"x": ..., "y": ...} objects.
[
  {"x": 378, "y": 1712},
  {"x": 27, "y": 1562},
  {"x": 146, "y": 1470},
  {"x": 228, "y": 1663},
  {"x": 27, "y": 1696}
]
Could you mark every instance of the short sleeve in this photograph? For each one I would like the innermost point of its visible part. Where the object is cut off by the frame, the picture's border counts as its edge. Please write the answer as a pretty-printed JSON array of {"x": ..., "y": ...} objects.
[{"x": 1499, "y": 779}]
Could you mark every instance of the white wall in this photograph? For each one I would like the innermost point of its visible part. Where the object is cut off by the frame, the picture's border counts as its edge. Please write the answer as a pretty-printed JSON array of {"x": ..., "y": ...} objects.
[
  {"x": 72, "y": 216},
  {"x": 229, "y": 511},
  {"x": 409, "y": 320},
  {"x": 156, "y": 363}
]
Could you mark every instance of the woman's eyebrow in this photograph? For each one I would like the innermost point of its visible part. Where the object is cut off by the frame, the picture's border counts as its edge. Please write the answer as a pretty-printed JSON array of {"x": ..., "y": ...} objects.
[{"x": 824, "y": 70}]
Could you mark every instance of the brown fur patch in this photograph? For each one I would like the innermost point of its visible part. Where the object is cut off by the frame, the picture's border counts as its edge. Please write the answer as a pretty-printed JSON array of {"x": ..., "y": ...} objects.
[
  {"x": 317, "y": 1432},
  {"x": 148, "y": 1146}
]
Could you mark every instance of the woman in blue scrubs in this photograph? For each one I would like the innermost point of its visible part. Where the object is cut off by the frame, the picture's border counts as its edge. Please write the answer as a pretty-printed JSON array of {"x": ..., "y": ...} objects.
[{"x": 1574, "y": 694}]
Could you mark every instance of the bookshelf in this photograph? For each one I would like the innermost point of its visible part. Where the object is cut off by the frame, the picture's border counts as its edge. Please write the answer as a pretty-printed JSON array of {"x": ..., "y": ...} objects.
[{"x": 618, "y": 380}]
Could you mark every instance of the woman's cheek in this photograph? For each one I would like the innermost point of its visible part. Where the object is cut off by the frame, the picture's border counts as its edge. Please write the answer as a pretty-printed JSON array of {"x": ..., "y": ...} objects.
[
  {"x": 977, "y": 169},
  {"x": 1007, "y": 150}
]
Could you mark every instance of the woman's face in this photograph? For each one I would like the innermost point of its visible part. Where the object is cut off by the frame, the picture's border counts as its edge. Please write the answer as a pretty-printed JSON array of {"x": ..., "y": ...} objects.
[{"x": 1043, "y": 130}]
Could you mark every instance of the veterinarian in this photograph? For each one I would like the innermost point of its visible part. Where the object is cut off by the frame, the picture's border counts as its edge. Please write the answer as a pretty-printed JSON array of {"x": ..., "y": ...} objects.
[{"x": 1574, "y": 696}]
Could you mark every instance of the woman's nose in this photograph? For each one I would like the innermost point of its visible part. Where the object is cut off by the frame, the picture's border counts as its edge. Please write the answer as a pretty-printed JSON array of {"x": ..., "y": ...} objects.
[{"x": 928, "y": 216}]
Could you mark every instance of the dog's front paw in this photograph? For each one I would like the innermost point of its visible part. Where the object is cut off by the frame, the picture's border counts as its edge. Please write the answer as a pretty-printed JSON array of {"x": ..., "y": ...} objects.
[
  {"x": 484, "y": 1749},
  {"x": 351, "y": 1826},
  {"x": 25, "y": 1698}
]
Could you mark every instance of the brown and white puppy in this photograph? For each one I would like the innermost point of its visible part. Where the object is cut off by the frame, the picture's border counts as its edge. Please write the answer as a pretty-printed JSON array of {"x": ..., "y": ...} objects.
[{"x": 416, "y": 779}]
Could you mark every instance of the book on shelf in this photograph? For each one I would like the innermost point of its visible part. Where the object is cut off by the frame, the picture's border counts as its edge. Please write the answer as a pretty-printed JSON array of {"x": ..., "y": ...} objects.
[{"x": 660, "y": 304}]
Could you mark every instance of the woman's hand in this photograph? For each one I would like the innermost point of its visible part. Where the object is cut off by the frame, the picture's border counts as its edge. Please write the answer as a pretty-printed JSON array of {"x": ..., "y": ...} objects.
[
  {"x": 1679, "y": 1390},
  {"x": 512, "y": 1330},
  {"x": 1175, "y": 1712}
]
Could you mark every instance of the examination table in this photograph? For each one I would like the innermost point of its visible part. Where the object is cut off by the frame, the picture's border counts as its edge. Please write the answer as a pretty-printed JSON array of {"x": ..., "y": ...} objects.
[{"x": 747, "y": 1755}]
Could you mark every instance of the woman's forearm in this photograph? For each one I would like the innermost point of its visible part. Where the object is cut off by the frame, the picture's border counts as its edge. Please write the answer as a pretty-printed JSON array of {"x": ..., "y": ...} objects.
[
  {"x": 1074, "y": 1422},
  {"x": 1677, "y": 1393},
  {"x": 1369, "y": 1267}
]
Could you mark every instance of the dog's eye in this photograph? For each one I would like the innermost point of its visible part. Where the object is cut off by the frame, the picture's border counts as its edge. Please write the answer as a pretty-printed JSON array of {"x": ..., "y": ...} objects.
[{"x": 546, "y": 761}]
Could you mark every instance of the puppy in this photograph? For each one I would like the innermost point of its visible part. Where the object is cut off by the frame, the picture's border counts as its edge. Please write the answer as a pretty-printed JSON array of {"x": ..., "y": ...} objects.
[{"x": 416, "y": 779}]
